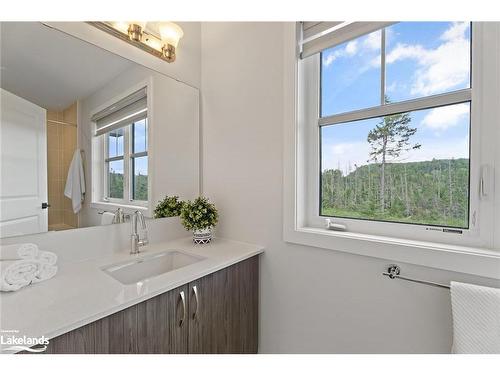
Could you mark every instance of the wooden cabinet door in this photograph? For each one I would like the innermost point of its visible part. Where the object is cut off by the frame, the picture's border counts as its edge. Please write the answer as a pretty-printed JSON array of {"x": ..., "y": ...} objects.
[
  {"x": 162, "y": 323},
  {"x": 152, "y": 326},
  {"x": 223, "y": 310}
]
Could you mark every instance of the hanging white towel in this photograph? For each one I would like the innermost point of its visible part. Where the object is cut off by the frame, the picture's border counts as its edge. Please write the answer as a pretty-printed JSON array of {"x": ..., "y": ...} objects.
[
  {"x": 75, "y": 182},
  {"x": 476, "y": 319}
]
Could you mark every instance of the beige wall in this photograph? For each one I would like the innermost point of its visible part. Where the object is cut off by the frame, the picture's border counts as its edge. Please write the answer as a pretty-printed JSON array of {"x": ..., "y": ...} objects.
[{"x": 61, "y": 144}]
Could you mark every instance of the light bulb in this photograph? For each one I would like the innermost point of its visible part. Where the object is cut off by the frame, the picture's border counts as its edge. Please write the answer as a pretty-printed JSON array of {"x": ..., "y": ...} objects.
[
  {"x": 121, "y": 26},
  {"x": 170, "y": 33}
]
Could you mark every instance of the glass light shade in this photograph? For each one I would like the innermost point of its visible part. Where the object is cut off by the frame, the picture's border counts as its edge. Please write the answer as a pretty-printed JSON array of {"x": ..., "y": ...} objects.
[
  {"x": 121, "y": 26},
  {"x": 170, "y": 33}
]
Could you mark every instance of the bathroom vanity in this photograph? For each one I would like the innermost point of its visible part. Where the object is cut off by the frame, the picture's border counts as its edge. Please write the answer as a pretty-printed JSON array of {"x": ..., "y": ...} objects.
[
  {"x": 205, "y": 301},
  {"x": 217, "y": 313}
]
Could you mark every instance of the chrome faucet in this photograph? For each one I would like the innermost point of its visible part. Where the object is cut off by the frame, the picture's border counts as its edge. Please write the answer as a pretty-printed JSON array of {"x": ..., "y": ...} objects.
[{"x": 135, "y": 240}]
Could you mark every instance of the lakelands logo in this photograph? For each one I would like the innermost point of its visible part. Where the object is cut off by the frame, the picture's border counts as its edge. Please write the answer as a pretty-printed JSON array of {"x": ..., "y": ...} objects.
[{"x": 15, "y": 343}]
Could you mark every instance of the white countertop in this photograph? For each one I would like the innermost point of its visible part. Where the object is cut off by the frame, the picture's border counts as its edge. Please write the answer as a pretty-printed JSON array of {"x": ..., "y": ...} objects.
[{"x": 81, "y": 292}]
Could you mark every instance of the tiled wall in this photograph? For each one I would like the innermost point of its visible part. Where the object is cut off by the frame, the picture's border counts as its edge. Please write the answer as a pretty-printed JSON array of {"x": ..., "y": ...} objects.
[{"x": 61, "y": 144}]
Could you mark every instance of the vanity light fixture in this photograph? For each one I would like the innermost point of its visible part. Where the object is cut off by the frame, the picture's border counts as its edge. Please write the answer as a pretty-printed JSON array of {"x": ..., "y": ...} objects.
[{"x": 157, "y": 38}]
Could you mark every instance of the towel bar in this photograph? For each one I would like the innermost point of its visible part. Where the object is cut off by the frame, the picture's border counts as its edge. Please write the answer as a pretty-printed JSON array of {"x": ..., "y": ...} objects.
[{"x": 393, "y": 272}]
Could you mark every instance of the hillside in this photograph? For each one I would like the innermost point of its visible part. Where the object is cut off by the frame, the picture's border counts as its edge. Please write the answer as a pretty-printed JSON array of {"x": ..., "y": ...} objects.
[{"x": 427, "y": 192}]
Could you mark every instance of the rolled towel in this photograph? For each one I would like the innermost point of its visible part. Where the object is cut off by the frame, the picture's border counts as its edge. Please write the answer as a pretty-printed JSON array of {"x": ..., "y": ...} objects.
[
  {"x": 47, "y": 257},
  {"x": 18, "y": 251},
  {"x": 15, "y": 274},
  {"x": 46, "y": 271}
]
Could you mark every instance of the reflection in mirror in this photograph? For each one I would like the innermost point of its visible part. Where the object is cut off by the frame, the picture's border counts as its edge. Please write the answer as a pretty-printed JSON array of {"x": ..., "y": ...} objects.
[{"x": 81, "y": 129}]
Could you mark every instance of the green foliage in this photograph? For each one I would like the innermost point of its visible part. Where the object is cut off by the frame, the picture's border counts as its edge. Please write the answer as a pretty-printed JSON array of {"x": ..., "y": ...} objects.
[
  {"x": 428, "y": 192},
  {"x": 168, "y": 207},
  {"x": 141, "y": 187},
  {"x": 116, "y": 185},
  {"x": 199, "y": 214}
]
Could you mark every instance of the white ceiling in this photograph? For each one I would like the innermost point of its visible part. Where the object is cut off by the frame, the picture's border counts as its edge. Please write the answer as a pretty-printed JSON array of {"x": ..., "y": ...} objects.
[{"x": 50, "y": 68}]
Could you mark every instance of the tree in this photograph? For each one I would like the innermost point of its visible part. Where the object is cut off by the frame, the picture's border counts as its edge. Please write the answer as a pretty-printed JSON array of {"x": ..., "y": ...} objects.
[{"x": 389, "y": 139}]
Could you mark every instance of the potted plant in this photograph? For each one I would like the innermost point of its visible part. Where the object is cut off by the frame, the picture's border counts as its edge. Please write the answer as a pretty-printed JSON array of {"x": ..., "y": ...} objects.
[
  {"x": 168, "y": 207},
  {"x": 200, "y": 216}
]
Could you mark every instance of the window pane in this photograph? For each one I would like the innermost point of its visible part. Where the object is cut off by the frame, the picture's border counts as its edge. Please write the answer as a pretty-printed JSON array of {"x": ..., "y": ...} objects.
[
  {"x": 140, "y": 136},
  {"x": 411, "y": 167},
  {"x": 350, "y": 75},
  {"x": 115, "y": 179},
  {"x": 140, "y": 178},
  {"x": 427, "y": 58},
  {"x": 115, "y": 142}
]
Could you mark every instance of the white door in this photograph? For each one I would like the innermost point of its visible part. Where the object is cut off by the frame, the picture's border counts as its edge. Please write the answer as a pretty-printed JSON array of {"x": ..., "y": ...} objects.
[{"x": 23, "y": 166}]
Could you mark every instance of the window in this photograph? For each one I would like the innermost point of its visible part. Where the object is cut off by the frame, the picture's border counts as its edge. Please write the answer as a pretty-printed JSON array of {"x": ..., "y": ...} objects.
[
  {"x": 393, "y": 135},
  {"x": 122, "y": 134},
  {"x": 127, "y": 146},
  {"x": 395, "y": 125}
]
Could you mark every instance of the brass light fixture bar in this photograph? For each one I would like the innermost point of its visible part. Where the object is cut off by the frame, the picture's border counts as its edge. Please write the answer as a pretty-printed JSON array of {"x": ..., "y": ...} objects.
[{"x": 163, "y": 47}]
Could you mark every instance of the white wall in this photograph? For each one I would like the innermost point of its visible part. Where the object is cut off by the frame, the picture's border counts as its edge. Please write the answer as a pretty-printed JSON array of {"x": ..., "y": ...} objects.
[
  {"x": 312, "y": 300},
  {"x": 174, "y": 135}
]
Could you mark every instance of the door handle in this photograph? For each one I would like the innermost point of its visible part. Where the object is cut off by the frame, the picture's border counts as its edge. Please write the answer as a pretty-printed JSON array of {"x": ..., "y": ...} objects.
[
  {"x": 45, "y": 205},
  {"x": 183, "y": 300},
  {"x": 195, "y": 292}
]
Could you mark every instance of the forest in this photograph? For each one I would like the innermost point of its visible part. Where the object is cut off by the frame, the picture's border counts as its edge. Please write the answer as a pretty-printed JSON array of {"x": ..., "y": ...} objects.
[
  {"x": 428, "y": 192},
  {"x": 433, "y": 192},
  {"x": 116, "y": 186}
]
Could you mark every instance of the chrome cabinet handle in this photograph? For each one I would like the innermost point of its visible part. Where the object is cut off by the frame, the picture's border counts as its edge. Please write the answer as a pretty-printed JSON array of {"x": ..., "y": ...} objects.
[
  {"x": 183, "y": 299},
  {"x": 195, "y": 292}
]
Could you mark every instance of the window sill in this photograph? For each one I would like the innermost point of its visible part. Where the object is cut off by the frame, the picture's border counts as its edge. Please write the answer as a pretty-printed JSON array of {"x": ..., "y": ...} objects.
[
  {"x": 105, "y": 206},
  {"x": 475, "y": 261}
]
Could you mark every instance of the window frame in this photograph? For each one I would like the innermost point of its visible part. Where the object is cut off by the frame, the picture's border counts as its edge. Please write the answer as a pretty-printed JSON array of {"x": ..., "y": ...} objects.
[
  {"x": 477, "y": 253},
  {"x": 97, "y": 170},
  {"x": 312, "y": 72},
  {"x": 128, "y": 167}
]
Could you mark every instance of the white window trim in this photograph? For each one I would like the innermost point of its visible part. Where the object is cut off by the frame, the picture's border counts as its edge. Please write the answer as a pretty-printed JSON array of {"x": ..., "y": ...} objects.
[
  {"x": 480, "y": 256},
  {"x": 127, "y": 173},
  {"x": 98, "y": 172}
]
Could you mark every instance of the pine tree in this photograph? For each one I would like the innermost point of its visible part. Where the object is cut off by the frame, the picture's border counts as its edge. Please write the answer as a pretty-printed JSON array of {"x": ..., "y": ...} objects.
[{"x": 388, "y": 140}]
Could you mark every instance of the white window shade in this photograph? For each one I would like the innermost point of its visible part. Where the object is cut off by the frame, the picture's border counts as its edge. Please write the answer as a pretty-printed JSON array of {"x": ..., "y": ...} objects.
[
  {"x": 318, "y": 36},
  {"x": 126, "y": 111}
]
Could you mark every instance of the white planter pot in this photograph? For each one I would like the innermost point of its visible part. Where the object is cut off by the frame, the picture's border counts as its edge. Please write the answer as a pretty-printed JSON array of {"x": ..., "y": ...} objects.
[{"x": 202, "y": 236}]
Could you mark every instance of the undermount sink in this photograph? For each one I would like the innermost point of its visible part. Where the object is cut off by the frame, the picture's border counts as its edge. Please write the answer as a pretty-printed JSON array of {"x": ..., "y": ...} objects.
[{"x": 140, "y": 269}]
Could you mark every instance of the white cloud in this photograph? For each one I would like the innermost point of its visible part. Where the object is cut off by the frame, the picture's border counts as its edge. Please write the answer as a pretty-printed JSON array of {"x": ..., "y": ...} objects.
[
  {"x": 341, "y": 155},
  {"x": 329, "y": 59},
  {"x": 442, "y": 118},
  {"x": 456, "y": 31},
  {"x": 373, "y": 41},
  {"x": 440, "y": 69},
  {"x": 351, "y": 48}
]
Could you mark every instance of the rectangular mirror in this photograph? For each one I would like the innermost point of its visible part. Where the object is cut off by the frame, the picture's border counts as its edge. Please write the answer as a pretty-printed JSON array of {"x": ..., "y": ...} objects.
[{"x": 87, "y": 136}]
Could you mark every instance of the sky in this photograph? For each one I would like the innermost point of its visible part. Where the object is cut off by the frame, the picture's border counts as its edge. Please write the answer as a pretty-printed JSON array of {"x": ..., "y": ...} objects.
[
  {"x": 140, "y": 144},
  {"x": 422, "y": 58}
]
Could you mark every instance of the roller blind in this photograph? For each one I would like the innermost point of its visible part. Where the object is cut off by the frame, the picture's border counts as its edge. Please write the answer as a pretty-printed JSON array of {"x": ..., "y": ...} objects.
[
  {"x": 126, "y": 111},
  {"x": 318, "y": 36}
]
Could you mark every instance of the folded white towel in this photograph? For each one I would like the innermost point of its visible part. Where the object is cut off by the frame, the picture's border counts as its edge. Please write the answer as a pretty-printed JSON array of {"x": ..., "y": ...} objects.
[
  {"x": 476, "y": 319},
  {"x": 47, "y": 257},
  {"x": 18, "y": 251},
  {"x": 45, "y": 272},
  {"x": 15, "y": 274}
]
